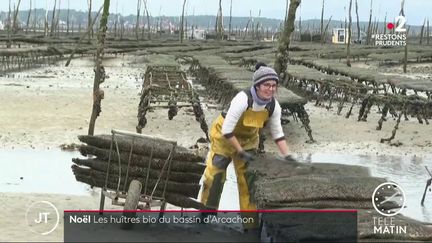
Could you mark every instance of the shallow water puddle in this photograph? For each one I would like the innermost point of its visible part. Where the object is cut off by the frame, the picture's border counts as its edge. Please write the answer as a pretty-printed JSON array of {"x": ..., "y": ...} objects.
[
  {"x": 408, "y": 172},
  {"x": 39, "y": 171}
]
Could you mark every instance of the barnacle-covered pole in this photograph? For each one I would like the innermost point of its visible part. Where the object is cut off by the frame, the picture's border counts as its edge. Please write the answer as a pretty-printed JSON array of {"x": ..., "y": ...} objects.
[
  {"x": 9, "y": 27},
  {"x": 348, "y": 47},
  {"x": 28, "y": 17},
  {"x": 281, "y": 61},
  {"x": 138, "y": 20},
  {"x": 148, "y": 19},
  {"x": 15, "y": 26},
  {"x": 182, "y": 23},
  {"x": 99, "y": 70},
  {"x": 219, "y": 22}
]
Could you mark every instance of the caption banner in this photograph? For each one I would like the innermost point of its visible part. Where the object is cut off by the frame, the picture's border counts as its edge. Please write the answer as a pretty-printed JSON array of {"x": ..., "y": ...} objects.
[{"x": 155, "y": 226}]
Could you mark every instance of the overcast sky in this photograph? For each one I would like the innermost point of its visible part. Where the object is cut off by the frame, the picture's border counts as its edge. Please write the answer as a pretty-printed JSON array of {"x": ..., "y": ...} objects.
[{"x": 415, "y": 10}]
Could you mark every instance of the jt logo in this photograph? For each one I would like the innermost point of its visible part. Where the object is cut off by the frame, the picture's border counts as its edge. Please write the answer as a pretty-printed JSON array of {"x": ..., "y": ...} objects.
[
  {"x": 37, "y": 217},
  {"x": 44, "y": 216}
]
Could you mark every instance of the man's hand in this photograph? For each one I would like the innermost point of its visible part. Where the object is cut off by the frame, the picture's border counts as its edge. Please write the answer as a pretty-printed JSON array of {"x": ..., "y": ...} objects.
[
  {"x": 291, "y": 160},
  {"x": 247, "y": 157}
]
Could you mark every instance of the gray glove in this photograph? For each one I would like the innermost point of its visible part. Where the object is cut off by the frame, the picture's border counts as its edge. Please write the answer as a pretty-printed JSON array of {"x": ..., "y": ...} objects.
[
  {"x": 291, "y": 160},
  {"x": 246, "y": 156}
]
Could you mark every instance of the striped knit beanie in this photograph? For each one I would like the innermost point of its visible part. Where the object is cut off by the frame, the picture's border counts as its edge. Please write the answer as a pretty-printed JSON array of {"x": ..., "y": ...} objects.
[{"x": 263, "y": 74}]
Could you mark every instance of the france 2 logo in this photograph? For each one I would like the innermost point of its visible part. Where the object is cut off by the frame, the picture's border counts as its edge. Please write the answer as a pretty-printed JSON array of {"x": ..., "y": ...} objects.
[{"x": 400, "y": 21}]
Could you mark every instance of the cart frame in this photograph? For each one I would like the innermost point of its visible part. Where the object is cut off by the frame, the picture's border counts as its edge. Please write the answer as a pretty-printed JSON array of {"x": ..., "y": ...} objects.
[{"x": 134, "y": 196}]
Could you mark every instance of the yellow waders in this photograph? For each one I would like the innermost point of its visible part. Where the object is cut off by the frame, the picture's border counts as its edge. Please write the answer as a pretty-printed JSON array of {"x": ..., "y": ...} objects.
[{"x": 220, "y": 155}]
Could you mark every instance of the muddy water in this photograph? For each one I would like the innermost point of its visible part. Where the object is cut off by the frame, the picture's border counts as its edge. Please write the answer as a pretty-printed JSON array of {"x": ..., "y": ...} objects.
[
  {"x": 409, "y": 172},
  {"x": 39, "y": 171}
]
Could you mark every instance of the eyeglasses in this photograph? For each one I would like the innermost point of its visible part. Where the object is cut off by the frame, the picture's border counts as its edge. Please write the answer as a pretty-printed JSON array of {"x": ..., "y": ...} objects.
[{"x": 269, "y": 85}]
